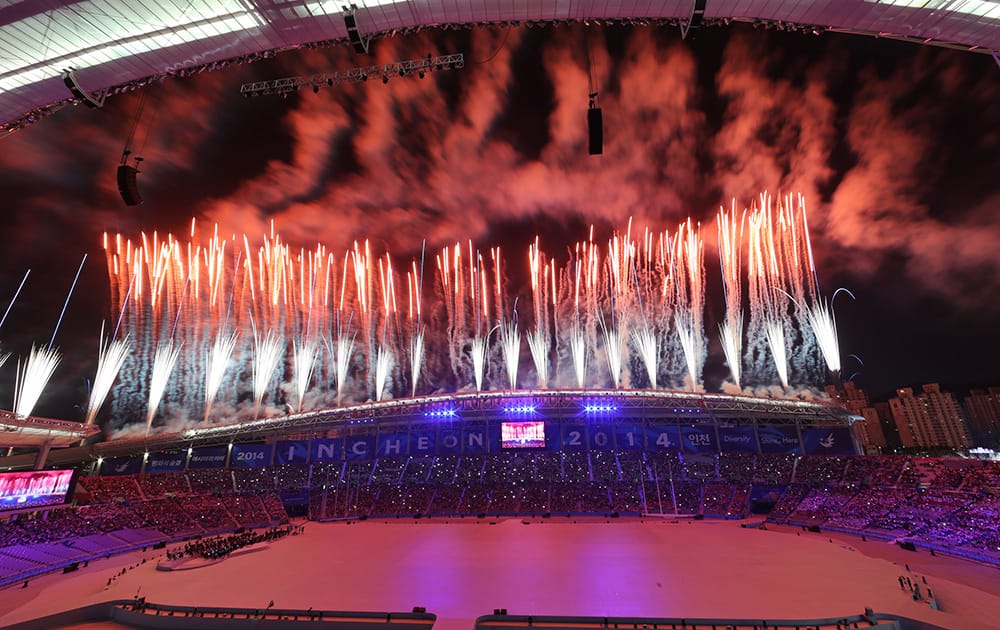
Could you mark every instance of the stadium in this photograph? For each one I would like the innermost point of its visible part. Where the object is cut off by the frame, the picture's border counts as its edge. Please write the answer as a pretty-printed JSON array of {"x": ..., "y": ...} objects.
[{"x": 420, "y": 474}]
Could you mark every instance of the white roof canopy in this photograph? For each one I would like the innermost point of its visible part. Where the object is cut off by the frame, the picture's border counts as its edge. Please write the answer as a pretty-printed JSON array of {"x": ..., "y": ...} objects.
[{"x": 116, "y": 42}]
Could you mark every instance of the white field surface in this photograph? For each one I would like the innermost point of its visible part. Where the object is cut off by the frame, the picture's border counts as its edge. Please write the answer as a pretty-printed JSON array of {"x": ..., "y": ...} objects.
[{"x": 461, "y": 569}]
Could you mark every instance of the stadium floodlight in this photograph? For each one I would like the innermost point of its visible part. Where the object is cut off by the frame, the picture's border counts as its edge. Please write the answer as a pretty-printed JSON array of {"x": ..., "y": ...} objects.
[{"x": 405, "y": 68}]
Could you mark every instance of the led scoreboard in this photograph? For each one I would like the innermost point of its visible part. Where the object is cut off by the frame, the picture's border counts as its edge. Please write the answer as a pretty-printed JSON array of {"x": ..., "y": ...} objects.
[
  {"x": 522, "y": 435},
  {"x": 34, "y": 489}
]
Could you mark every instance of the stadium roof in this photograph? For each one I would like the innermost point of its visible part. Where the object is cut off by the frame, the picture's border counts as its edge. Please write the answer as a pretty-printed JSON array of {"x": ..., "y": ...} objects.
[
  {"x": 119, "y": 44},
  {"x": 553, "y": 404},
  {"x": 21, "y": 431}
]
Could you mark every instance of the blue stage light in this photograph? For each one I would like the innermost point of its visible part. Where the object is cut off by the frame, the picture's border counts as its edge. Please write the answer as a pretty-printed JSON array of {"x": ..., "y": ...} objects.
[
  {"x": 519, "y": 409},
  {"x": 446, "y": 412}
]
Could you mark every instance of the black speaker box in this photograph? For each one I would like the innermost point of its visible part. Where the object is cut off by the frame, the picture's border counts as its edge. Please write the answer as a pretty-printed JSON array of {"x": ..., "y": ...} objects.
[
  {"x": 127, "y": 186},
  {"x": 595, "y": 129}
]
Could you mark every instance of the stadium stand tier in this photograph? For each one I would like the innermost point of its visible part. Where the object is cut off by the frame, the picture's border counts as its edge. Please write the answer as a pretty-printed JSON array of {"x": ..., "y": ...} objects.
[{"x": 949, "y": 505}]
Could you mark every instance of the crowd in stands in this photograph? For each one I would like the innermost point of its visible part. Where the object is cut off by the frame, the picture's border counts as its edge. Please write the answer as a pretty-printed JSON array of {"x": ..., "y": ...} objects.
[
  {"x": 123, "y": 512},
  {"x": 521, "y": 482},
  {"x": 211, "y": 481},
  {"x": 164, "y": 485},
  {"x": 951, "y": 504},
  {"x": 946, "y": 504}
]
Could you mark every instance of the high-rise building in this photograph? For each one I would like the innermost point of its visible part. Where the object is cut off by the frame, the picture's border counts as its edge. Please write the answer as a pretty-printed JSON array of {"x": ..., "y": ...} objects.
[
  {"x": 982, "y": 408},
  {"x": 931, "y": 419},
  {"x": 869, "y": 429}
]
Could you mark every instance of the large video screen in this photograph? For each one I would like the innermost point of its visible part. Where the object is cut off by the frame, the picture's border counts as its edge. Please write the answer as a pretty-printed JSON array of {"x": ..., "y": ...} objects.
[
  {"x": 522, "y": 435},
  {"x": 36, "y": 488}
]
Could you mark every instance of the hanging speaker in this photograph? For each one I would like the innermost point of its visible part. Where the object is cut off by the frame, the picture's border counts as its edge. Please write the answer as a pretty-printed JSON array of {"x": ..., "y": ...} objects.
[
  {"x": 595, "y": 128},
  {"x": 127, "y": 186}
]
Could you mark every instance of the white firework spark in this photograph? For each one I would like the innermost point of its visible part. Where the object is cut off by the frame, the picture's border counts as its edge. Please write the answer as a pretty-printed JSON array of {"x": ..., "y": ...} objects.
[
  {"x": 824, "y": 327},
  {"x": 578, "y": 352},
  {"x": 110, "y": 358},
  {"x": 775, "y": 331},
  {"x": 32, "y": 377},
  {"x": 538, "y": 343},
  {"x": 164, "y": 360},
  {"x": 510, "y": 344},
  {"x": 645, "y": 342},
  {"x": 478, "y": 361},
  {"x": 689, "y": 343},
  {"x": 731, "y": 346},
  {"x": 216, "y": 361},
  {"x": 690, "y": 295},
  {"x": 341, "y": 350},
  {"x": 266, "y": 357},
  {"x": 613, "y": 353},
  {"x": 3, "y": 357},
  {"x": 383, "y": 365},
  {"x": 730, "y": 263},
  {"x": 416, "y": 359},
  {"x": 303, "y": 361}
]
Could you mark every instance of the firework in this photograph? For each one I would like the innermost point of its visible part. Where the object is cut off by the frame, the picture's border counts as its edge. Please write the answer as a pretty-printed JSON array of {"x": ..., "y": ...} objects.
[
  {"x": 164, "y": 360},
  {"x": 646, "y": 345},
  {"x": 340, "y": 351},
  {"x": 478, "y": 355},
  {"x": 578, "y": 350},
  {"x": 824, "y": 327},
  {"x": 510, "y": 345},
  {"x": 110, "y": 358},
  {"x": 216, "y": 361},
  {"x": 690, "y": 290},
  {"x": 775, "y": 331},
  {"x": 689, "y": 344},
  {"x": 543, "y": 296},
  {"x": 303, "y": 361},
  {"x": 647, "y": 286},
  {"x": 538, "y": 343},
  {"x": 416, "y": 359},
  {"x": 32, "y": 377},
  {"x": 730, "y": 250},
  {"x": 383, "y": 365},
  {"x": 613, "y": 353},
  {"x": 267, "y": 355}
]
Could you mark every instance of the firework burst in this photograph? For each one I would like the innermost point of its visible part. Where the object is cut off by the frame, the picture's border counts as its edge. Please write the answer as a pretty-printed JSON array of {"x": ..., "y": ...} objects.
[
  {"x": 216, "y": 361},
  {"x": 510, "y": 345},
  {"x": 32, "y": 377},
  {"x": 164, "y": 360},
  {"x": 647, "y": 286},
  {"x": 110, "y": 358},
  {"x": 304, "y": 354},
  {"x": 268, "y": 349}
]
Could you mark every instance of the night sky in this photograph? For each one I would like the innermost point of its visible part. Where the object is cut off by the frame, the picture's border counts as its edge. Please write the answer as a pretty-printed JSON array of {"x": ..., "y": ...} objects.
[{"x": 895, "y": 146}]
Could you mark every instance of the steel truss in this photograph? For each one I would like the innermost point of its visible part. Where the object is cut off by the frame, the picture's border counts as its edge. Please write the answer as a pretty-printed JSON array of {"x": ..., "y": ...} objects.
[{"x": 407, "y": 68}]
